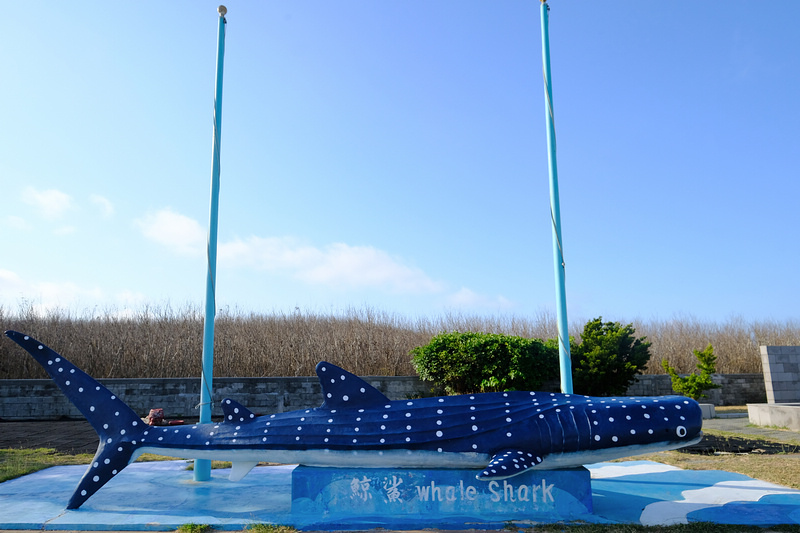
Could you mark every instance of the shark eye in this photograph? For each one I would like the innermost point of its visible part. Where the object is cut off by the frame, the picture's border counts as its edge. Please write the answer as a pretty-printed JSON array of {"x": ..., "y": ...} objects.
[{"x": 681, "y": 431}]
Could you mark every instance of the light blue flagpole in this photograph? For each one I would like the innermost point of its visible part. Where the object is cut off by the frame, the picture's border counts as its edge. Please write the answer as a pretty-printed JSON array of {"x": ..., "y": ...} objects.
[
  {"x": 202, "y": 467},
  {"x": 555, "y": 212}
]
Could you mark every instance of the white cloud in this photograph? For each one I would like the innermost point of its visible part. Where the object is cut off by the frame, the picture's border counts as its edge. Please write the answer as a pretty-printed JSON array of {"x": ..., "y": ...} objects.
[
  {"x": 363, "y": 265},
  {"x": 124, "y": 304},
  {"x": 10, "y": 281},
  {"x": 44, "y": 297},
  {"x": 128, "y": 298},
  {"x": 12, "y": 289},
  {"x": 271, "y": 253},
  {"x": 50, "y": 203},
  {"x": 336, "y": 265},
  {"x": 63, "y": 295},
  {"x": 103, "y": 204},
  {"x": 64, "y": 230},
  {"x": 179, "y": 232},
  {"x": 467, "y": 298},
  {"x": 17, "y": 223}
]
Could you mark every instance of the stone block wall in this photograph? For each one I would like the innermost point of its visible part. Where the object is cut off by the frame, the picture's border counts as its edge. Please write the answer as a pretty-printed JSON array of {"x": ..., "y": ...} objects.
[
  {"x": 736, "y": 389},
  {"x": 781, "y": 373},
  {"x": 40, "y": 399}
]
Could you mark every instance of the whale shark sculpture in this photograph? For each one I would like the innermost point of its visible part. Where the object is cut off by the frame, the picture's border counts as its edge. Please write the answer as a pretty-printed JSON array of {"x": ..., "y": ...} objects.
[{"x": 498, "y": 434}]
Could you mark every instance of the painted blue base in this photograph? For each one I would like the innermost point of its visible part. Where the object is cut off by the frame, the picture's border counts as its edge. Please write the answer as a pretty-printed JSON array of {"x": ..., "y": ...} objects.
[
  {"x": 162, "y": 496},
  {"x": 391, "y": 498}
]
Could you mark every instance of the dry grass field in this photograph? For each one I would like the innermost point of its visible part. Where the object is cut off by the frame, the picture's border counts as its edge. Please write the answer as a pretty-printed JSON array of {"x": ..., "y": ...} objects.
[{"x": 165, "y": 342}]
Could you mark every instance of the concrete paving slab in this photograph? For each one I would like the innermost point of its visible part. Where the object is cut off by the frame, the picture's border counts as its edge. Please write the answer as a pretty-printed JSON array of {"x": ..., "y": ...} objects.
[
  {"x": 162, "y": 496},
  {"x": 147, "y": 496}
]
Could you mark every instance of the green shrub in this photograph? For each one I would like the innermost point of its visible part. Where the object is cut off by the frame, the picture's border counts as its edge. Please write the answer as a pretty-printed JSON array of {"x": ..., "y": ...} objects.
[
  {"x": 605, "y": 363},
  {"x": 194, "y": 528},
  {"x": 464, "y": 363},
  {"x": 608, "y": 358},
  {"x": 693, "y": 385},
  {"x": 269, "y": 528}
]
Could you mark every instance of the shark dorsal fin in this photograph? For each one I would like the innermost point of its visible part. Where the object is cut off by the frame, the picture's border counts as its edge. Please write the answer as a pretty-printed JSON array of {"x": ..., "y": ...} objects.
[
  {"x": 236, "y": 412},
  {"x": 341, "y": 389}
]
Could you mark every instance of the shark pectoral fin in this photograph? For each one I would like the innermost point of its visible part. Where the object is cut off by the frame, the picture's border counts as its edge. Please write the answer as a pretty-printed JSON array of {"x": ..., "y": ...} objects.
[
  {"x": 240, "y": 469},
  {"x": 236, "y": 412},
  {"x": 507, "y": 463}
]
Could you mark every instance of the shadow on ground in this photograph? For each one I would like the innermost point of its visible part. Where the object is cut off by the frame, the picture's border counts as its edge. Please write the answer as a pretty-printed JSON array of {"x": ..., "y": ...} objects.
[{"x": 716, "y": 444}]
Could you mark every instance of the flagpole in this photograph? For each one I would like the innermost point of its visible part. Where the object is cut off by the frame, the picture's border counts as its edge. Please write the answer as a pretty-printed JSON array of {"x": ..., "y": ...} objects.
[
  {"x": 202, "y": 467},
  {"x": 565, "y": 363}
]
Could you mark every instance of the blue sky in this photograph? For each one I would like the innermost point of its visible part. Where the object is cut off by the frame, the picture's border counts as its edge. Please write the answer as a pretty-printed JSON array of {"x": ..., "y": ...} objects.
[{"x": 393, "y": 155}]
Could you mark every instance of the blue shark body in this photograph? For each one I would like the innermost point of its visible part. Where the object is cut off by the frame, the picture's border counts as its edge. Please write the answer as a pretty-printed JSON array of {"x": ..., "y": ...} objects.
[{"x": 497, "y": 434}]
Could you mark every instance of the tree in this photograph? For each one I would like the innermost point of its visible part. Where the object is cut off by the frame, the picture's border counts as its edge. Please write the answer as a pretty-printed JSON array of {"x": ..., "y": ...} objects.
[
  {"x": 694, "y": 384},
  {"x": 608, "y": 358}
]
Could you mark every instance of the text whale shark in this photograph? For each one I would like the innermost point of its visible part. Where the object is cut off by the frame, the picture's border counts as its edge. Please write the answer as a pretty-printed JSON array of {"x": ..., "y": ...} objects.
[{"x": 498, "y": 434}]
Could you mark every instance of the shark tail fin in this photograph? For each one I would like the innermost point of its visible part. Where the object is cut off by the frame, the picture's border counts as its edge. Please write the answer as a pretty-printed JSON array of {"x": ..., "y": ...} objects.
[
  {"x": 109, "y": 460},
  {"x": 117, "y": 425}
]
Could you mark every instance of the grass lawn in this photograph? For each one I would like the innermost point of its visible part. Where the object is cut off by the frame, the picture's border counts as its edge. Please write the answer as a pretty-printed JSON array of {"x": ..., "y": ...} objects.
[
  {"x": 16, "y": 463},
  {"x": 769, "y": 460},
  {"x": 20, "y": 462}
]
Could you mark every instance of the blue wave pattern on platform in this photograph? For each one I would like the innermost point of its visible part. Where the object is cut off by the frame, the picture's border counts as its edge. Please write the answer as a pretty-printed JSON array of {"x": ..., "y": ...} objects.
[
  {"x": 771, "y": 510},
  {"x": 497, "y": 434},
  {"x": 161, "y": 495},
  {"x": 674, "y": 496}
]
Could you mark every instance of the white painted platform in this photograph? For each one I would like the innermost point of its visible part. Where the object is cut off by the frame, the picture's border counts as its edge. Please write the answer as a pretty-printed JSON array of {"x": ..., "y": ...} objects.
[{"x": 162, "y": 496}]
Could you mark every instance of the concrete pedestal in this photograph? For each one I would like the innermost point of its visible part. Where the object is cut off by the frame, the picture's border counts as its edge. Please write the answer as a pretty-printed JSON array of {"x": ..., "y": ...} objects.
[
  {"x": 450, "y": 499},
  {"x": 708, "y": 411},
  {"x": 780, "y": 415}
]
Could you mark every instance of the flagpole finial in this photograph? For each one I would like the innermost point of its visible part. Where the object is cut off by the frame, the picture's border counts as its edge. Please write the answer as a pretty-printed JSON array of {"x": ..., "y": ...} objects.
[{"x": 222, "y": 10}]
